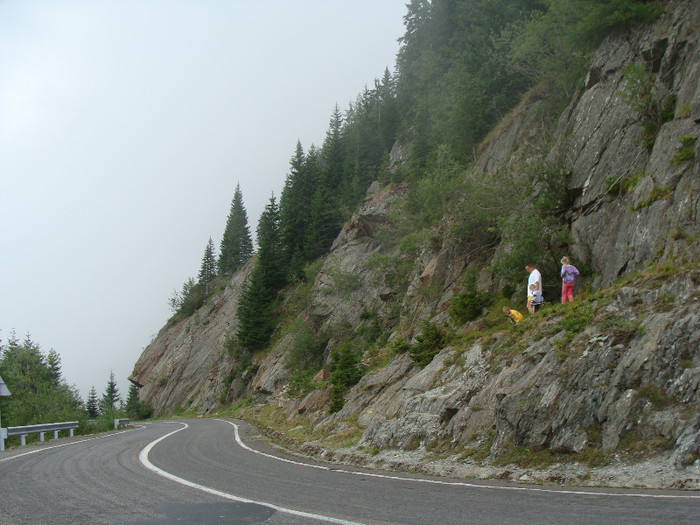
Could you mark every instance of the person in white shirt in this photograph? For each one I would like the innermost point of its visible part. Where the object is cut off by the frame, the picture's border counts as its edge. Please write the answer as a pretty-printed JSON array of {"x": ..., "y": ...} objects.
[{"x": 534, "y": 288}]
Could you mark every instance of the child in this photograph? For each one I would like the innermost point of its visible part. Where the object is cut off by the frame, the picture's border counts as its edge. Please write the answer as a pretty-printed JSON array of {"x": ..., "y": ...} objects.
[
  {"x": 568, "y": 276},
  {"x": 514, "y": 316},
  {"x": 534, "y": 299}
]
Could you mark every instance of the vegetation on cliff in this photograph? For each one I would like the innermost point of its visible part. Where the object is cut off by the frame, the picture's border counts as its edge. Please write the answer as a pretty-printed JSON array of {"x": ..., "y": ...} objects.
[{"x": 462, "y": 65}]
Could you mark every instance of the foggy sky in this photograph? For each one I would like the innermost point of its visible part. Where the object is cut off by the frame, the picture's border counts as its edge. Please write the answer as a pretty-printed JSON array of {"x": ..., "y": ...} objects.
[{"x": 124, "y": 128}]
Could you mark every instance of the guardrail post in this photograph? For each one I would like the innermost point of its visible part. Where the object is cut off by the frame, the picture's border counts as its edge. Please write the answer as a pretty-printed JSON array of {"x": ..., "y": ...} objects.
[
  {"x": 55, "y": 434},
  {"x": 41, "y": 436},
  {"x": 23, "y": 439}
]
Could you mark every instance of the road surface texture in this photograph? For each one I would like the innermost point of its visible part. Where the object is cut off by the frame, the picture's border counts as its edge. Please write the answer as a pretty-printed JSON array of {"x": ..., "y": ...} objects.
[{"x": 213, "y": 471}]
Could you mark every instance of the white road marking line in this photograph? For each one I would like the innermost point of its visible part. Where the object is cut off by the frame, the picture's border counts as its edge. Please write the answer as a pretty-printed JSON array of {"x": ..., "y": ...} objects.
[
  {"x": 143, "y": 457},
  {"x": 460, "y": 483}
]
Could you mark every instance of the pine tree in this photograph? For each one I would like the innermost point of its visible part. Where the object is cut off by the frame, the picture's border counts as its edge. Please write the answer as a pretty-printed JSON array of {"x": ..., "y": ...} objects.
[
  {"x": 269, "y": 246},
  {"x": 207, "y": 272},
  {"x": 294, "y": 207},
  {"x": 324, "y": 223},
  {"x": 236, "y": 244},
  {"x": 333, "y": 152},
  {"x": 91, "y": 405},
  {"x": 53, "y": 361},
  {"x": 255, "y": 315},
  {"x": 39, "y": 394},
  {"x": 135, "y": 408},
  {"x": 111, "y": 400}
]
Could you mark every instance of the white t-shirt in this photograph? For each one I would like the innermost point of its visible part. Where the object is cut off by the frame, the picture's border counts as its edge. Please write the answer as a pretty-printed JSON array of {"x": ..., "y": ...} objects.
[{"x": 535, "y": 277}]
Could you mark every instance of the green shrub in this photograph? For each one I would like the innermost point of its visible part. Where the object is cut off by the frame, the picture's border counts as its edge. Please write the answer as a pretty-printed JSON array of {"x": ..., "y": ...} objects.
[
  {"x": 625, "y": 184},
  {"x": 466, "y": 305},
  {"x": 430, "y": 341},
  {"x": 657, "y": 396},
  {"x": 345, "y": 372},
  {"x": 657, "y": 193},
  {"x": 686, "y": 151},
  {"x": 306, "y": 352}
]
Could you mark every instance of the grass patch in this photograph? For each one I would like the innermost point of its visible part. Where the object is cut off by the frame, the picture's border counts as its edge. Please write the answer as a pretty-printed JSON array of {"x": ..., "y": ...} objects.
[
  {"x": 656, "y": 396},
  {"x": 656, "y": 194},
  {"x": 526, "y": 458},
  {"x": 624, "y": 184}
]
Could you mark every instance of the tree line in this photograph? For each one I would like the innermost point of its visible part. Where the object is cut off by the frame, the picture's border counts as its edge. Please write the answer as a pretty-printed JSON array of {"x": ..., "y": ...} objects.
[
  {"x": 462, "y": 66},
  {"x": 40, "y": 393}
]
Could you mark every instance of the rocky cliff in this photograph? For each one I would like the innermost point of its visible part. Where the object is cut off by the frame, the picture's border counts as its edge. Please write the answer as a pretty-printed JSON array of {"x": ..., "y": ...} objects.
[{"x": 616, "y": 374}]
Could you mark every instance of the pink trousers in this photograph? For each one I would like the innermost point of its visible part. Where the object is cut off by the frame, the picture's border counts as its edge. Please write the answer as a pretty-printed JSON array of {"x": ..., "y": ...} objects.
[{"x": 567, "y": 292}]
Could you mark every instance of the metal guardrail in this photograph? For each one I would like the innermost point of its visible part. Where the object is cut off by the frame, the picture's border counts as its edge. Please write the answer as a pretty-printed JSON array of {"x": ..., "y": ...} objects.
[
  {"x": 41, "y": 429},
  {"x": 121, "y": 422}
]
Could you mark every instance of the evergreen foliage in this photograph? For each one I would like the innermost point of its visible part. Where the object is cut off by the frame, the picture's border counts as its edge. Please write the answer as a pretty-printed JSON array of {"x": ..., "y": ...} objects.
[
  {"x": 92, "y": 404},
  {"x": 468, "y": 304},
  {"x": 134, "y": 407},
  {"x": 111, "y": 399},
  {"x": 236, "y": 244},
  {"x": 39, "y": 393},
  {"x": 428, "y": 343},
  {"x": 295, "y": 202},
  {"x": 461, "y": 67},
  {"x": 207, "y": 270},
  {"x": 256, "y": 320},
  {"x": 345, "y": 372},
  {"x": 189, "y": 300}
]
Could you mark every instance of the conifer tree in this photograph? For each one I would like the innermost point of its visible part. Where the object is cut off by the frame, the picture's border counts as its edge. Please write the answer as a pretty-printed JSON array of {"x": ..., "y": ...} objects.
[
  {"x": 53, "y": 361},
  {"x": 91, "y": 405},
  {"x": 255, "y": 314},
  {"x": 324, "y": 223},
  {"x": 236, "y": 245},
  {"x": 135, "y": 408},
  {"x": 39, "y": 394},
  {"x": 269, "y": 253},
  {"x": 333, "y": 154},
  {"x": 294, "y": 207},
  {"x": 111, "y": 399},
  {"x": 208, "y": 269}
]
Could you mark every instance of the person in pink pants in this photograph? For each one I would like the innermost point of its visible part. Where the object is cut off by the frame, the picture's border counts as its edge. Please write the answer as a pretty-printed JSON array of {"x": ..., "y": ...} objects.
[{"x": 569, "y": 273}]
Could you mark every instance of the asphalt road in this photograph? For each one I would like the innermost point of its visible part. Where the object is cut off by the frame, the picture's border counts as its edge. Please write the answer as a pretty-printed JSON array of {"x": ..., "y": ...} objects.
[{"x": 211, "y": 471}]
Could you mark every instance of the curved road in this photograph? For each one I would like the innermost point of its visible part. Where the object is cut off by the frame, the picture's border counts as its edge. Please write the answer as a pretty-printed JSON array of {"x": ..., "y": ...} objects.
[{"x": 209, "y": 471}]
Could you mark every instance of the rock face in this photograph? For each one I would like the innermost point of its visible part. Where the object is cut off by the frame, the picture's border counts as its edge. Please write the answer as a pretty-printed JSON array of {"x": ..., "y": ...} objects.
[
  {"x": 186, "y": 364},
  {"x": 629, "y": 379}
]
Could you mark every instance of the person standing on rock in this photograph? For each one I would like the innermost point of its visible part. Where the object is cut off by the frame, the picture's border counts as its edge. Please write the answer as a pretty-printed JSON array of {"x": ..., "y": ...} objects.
[
  {"x": 569, "y": 273},
  {"x": 534, "y": 288}
]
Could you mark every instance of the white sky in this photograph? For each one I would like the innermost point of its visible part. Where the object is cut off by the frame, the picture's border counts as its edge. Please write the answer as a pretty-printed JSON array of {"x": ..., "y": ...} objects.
[{"x": 125, "y": 126}]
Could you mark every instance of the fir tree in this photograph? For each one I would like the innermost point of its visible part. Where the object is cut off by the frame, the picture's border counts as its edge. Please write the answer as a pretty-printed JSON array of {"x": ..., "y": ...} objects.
[
  {"x": 269, "y": 253},
  {"x": 135, "y": 408},
  {"x": 236, "y": 244},
  {"x": 294, "y": 207},
  {"x": 39, "y": 394},
  {"x": 207, "y": 271},
  {"x": 333, "y": 154},
  {"x": 111, "y": 399},
  {"x": 91, "y": 405},
  {"x": 324, "y": 223},
  {"x": 53, "y": 361},
  {"x": 255, "y": 313}
]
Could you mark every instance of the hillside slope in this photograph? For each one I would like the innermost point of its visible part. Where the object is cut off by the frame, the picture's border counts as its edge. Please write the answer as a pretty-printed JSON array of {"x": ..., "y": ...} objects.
[{"x": 615, "y": 376}]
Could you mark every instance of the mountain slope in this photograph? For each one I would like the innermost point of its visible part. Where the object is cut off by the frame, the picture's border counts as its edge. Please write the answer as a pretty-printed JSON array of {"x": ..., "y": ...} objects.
[{"x": 617, "y": 373}]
